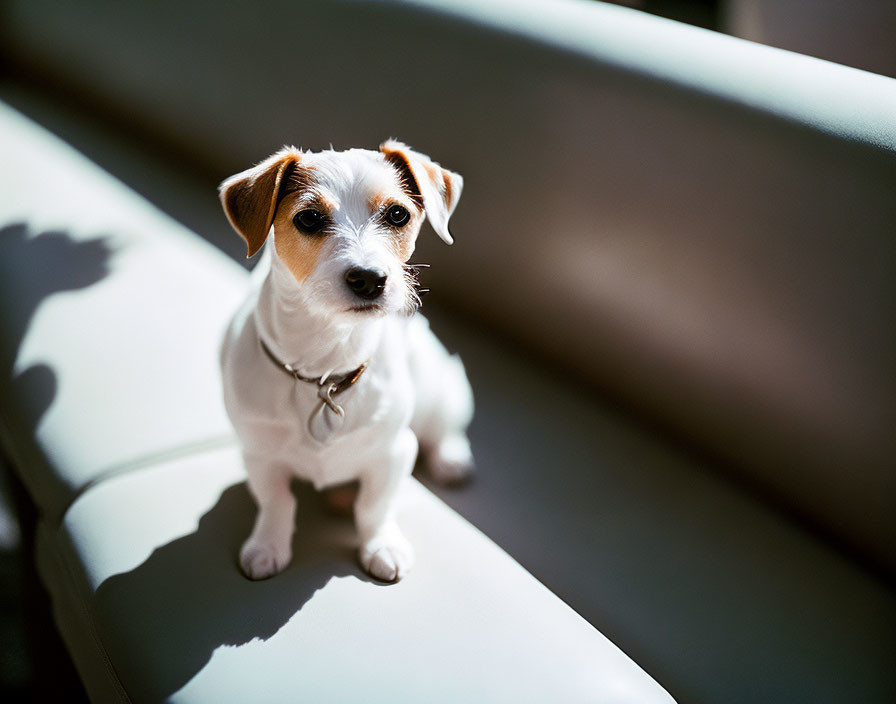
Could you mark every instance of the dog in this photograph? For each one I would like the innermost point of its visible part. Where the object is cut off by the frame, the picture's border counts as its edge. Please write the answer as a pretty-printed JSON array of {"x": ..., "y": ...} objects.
[{"x": 329, "y": 374}]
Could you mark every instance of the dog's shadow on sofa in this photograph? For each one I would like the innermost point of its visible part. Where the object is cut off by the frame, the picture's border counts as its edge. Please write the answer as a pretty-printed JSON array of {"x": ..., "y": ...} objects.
[
  {"x": 35, "y": 266},
  {"x": 162, "y": 621}
]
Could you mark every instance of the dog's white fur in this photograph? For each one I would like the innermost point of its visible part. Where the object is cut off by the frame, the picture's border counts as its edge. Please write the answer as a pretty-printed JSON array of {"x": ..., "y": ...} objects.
[{"x": 412, "y": 389}]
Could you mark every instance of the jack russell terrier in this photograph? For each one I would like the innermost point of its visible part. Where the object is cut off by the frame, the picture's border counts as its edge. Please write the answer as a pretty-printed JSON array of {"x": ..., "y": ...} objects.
[{"x": 328, "y": 374}]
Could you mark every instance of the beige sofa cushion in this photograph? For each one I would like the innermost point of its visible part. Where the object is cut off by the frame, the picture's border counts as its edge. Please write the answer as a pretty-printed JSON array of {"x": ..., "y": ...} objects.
[{"x": 178, "y": 622}]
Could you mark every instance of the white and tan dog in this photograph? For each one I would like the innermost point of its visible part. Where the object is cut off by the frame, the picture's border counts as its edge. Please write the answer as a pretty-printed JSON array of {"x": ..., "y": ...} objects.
[{"x": 328, "y": 373}]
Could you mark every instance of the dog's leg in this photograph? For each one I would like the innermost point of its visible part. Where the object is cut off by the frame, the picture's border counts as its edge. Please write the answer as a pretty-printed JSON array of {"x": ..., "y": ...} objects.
[
  {"x": 269, "y": 548},
  {"x": 442, "y": 422},
  {"x": 384, "y": 552},
  {"x": 444, "y": 405},
  {"x": 450, "y": 460}
]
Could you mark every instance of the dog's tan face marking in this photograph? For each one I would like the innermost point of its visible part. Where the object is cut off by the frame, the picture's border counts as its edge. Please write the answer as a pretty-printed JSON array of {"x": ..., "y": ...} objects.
[
  {"x": 378, "y": 201},
  {"x": 402, "y": 239},
  {"x": 301, "y": 253},
  {"x": 299, "y": 179},
  {"x": 308, "y": 188}
]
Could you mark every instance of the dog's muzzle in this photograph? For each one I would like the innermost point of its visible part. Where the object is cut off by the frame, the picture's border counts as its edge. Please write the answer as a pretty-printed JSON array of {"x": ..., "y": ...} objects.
[{"x": 366, "y": 283}]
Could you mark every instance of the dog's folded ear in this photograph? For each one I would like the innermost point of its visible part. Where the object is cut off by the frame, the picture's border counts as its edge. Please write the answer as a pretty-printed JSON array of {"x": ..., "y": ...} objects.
[
  {"x": 439, "y": 188},
  {"x": 250, "y": 198}
]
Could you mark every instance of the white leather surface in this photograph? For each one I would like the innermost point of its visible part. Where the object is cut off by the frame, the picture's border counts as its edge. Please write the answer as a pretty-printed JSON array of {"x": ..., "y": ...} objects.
[
  {"x": 111, "y": 316},
  {"x": 153, "y": 554}
]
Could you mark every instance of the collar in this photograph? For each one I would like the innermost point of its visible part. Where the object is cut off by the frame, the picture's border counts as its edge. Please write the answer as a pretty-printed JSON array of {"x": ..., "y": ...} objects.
[{"x": 333, "y": 384}]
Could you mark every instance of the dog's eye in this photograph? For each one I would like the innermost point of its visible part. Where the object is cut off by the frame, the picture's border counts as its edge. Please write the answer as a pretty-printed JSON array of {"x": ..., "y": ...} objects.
[
  {"x": 397, "y": 215},
  {"x": 309, "y": 220}
]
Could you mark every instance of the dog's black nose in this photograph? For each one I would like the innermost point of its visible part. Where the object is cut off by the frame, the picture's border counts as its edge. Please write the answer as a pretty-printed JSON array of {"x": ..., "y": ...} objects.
[{"x": 366, "y": 283}]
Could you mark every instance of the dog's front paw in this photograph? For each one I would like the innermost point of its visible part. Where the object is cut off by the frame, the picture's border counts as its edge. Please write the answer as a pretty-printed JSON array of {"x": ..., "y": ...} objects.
[
  {"x": 451, "y": 461},
  {"x": 262, "y": 559},
  {"x": 388, "y": 556}
]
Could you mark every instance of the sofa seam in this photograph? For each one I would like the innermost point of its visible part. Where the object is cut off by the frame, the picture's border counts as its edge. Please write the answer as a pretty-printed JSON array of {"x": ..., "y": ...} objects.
[{"x": 144, "y": 462}]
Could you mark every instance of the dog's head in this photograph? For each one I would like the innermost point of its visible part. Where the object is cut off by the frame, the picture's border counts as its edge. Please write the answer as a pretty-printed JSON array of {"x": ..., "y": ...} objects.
[{"x": 345, "y": 223}]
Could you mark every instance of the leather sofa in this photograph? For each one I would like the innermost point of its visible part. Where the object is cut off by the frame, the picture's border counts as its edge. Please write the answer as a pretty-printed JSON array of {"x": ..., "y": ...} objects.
[
  {"x": 113, "y": 420},
  {"x": 673, "y": 287}
]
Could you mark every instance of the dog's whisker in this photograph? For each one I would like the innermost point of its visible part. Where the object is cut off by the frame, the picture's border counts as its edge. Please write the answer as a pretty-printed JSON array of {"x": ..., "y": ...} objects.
[{"x": 415, "y": 290}]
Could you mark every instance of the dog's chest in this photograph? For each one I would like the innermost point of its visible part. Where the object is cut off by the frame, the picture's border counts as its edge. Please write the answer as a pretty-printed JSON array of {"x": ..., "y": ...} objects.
[
  {"x": 271, "y": 410},
  {"x": 375, "y": 409}
]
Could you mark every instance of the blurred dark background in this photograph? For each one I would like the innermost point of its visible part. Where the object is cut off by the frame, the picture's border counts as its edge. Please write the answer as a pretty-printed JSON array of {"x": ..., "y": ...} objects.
[{"x": 857, "y": 33}]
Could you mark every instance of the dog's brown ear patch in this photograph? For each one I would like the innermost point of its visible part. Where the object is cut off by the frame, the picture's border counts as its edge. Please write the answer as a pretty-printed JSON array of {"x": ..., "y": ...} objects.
[
  {"x": 408, "y": 182},
  {"x": 439, "y": 188},
  {"x": 250, "y": 198}
]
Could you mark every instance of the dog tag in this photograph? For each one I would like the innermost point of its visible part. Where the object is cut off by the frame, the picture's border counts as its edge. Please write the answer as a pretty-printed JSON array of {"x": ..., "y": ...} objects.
[{"x": 328, "y": 418}]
